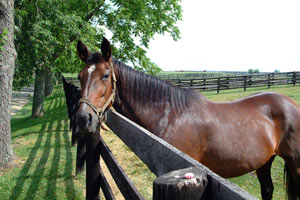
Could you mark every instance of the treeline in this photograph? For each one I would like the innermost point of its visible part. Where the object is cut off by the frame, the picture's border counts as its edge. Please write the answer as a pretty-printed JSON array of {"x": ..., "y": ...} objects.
[{"x": 46, "y": 34}]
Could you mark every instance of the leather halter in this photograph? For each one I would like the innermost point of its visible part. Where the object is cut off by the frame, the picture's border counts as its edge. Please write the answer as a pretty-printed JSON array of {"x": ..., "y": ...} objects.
[{"x": 100, "y": 111}]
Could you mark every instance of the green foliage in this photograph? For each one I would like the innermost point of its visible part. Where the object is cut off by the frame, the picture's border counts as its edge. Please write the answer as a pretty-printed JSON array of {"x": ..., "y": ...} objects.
[
  {"x": 253, "y": 71},
  {"x": 144, "y": 63},
  {"x": 47, "y": 32},
  {"x": 132, "y": 21},
  {"x": 3, "y": 38},
  {"x": 45, "y": 36},
  {"x": 276, "y": 71}
]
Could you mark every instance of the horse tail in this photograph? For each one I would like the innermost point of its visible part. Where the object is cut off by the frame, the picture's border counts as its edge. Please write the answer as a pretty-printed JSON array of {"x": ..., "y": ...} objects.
[{"x": 289, "y": 184}]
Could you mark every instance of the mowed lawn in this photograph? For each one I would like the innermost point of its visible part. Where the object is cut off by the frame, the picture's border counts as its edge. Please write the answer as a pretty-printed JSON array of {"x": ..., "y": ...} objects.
[{"x": 45, "y": 161}]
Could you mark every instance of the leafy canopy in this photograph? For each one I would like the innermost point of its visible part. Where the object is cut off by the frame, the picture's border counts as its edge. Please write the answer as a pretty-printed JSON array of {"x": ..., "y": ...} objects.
[{"x": 47, "y": 31}]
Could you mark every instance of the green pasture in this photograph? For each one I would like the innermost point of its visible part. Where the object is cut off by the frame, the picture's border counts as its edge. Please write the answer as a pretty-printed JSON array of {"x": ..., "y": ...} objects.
[
  {"x": 183, "y": 72},
  {"x": 70, "y": 75},
  {"x": 44, "y": 165}
]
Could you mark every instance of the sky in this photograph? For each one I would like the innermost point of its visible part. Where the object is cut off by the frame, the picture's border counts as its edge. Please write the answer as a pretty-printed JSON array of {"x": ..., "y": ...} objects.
[{"x": 232, "y": 35}]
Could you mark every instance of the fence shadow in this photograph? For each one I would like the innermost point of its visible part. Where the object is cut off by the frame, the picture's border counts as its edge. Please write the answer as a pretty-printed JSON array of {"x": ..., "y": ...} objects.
[{"x": 49, "y": 163}]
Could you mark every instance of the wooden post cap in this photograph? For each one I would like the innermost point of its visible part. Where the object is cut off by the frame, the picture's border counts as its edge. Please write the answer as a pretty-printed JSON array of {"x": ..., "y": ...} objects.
[{"x": 188, "y": 184}]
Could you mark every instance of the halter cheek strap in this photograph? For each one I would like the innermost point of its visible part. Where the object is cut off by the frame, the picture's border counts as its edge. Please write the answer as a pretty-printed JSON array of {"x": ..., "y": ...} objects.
[{"x": 100, "y": 111}]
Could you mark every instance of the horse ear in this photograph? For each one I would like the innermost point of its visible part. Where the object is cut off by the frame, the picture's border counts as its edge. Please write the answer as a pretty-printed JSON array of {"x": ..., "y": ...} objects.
[
  {"x": 82, "y": 51},
  {"x": 106, "y": 49}
]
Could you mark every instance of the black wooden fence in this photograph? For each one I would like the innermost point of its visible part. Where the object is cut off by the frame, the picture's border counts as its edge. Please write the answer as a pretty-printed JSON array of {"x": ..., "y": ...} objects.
[
  {"x": 198, "y": 74},
  {"x": 157, "y": 154},
  {"x": 241, "y": 81},
  {"x": 190, "y": 75}
]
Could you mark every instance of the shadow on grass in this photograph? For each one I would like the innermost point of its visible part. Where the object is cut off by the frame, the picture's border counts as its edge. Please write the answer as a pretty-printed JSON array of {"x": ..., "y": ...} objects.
[
  {"x": 69, "y": 184},
  {"x": 24, "y": 172},
  {"x": 23, "y": 121},
  {"x": 45, "y": 150}
]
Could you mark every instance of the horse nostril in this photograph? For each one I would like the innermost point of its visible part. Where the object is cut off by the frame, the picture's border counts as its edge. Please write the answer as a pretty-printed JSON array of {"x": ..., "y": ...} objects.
[
  {"x": 82, "y": 120},
  {"x": 89, "y": 121}
]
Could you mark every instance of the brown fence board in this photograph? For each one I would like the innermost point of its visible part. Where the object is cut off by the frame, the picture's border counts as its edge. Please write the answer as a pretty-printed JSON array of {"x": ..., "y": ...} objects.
[
  {"x": 125, "y": 185},
  {"x": 241, "y": 81},
  {"x": 108, "y": 194}
]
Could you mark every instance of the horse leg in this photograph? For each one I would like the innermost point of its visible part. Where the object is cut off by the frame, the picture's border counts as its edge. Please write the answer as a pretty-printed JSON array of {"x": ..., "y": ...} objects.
[
  {"x": 265, "y": 180},
  {"x": 292, "y": 179}
]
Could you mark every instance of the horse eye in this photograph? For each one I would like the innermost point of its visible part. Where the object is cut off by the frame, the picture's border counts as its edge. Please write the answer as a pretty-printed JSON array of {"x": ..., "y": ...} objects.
[{"x": 105, "y": 77}]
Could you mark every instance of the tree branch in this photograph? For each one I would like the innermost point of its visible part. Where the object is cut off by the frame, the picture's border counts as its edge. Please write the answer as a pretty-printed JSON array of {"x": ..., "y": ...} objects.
[
  {"x": 92, "y": 13},
  {"x": 72, "y": 37}
]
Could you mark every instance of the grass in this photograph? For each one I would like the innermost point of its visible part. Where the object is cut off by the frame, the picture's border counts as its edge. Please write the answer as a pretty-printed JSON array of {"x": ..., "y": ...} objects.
[
  {"x": 45, "y": 160},
  {"x": 70, "y": 75}
]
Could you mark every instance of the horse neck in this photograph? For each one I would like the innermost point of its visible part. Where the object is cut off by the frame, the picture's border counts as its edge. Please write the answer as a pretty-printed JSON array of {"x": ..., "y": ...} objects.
[
  {"x": 123, "y": 99},
  {"x": 141, "y": 94}
]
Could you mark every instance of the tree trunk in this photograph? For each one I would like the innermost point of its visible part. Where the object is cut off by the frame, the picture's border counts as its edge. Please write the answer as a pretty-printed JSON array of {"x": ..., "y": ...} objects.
[
  {"x": 7, "y": 65},
  {"x": 38, "y": 93},
  {"x": 48, "y": 83}
]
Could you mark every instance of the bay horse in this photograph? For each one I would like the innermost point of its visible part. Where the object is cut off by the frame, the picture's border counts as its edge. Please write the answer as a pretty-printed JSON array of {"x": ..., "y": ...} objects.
[{"x": 230, "y": 138}]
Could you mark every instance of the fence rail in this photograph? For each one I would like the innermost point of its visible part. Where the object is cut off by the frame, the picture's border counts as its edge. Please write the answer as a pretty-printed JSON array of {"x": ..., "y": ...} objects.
[
  {"x": 158, "y": 155},
  {"x": 235, "y": 82},
  {"x": 199, "y": 74},
  {"x": 217, "y": 83}
]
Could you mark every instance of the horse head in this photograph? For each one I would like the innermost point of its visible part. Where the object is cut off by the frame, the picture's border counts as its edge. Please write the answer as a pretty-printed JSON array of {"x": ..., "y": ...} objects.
[{"x": 97, "y": 81}]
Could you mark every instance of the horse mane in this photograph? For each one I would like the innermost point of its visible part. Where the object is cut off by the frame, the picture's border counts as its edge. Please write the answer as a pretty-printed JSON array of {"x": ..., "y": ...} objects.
[{"x": 142, "y": 87}]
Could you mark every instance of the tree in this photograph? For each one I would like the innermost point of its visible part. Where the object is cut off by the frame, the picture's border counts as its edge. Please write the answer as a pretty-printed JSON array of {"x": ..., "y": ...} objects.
[
  {"x": 7, "y": 65},
  {"x": 47, "y": 31},
  {"x": 44, "y": 35},
  {"x": 251, "y": 71}
]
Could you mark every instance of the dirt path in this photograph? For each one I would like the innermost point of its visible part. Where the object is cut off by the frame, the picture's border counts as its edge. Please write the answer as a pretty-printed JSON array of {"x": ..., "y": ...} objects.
[{"x": 20, "y": 98}]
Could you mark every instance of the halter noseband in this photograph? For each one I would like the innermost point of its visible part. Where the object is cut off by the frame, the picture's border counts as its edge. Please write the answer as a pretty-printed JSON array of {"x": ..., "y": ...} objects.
[{"x": 100, "y": 111}]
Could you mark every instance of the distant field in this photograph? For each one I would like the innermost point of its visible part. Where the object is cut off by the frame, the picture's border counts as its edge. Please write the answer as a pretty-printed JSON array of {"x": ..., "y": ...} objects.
[
  {"x": 45, "y": 160},
  {"x": 70, "y": 75}
]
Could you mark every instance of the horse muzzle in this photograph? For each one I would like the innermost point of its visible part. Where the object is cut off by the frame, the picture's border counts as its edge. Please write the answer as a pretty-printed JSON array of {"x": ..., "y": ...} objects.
[{"x": 87, "y": 122}]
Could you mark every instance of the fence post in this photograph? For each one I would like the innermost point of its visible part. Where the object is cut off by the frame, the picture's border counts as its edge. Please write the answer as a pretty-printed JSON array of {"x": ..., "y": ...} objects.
[
  {"x": 174, "y": 185},
  {"x": 93, "y": 177},
  {"x": 268, "y": 80},
  {"x": 218, "y": 88},
  {"x": 179, "y": 83},
  {"x": 294, "y": 78},
  {"x": 245, "y": 83},
  {"x": 80, "y": 155}
]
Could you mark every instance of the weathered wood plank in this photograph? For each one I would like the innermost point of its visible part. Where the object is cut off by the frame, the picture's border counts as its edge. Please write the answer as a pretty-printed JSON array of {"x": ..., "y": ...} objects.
[
  {"x": 106, "y": 189},
  {"x": 241, "y": 81},
  {"x": 80, "y": 155},
  {"x": 161, "y": 157},
  {"x": 174, "y": 185},
  {"x": 123, "y": 182},
  {"x": 93, "y": 177}
]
